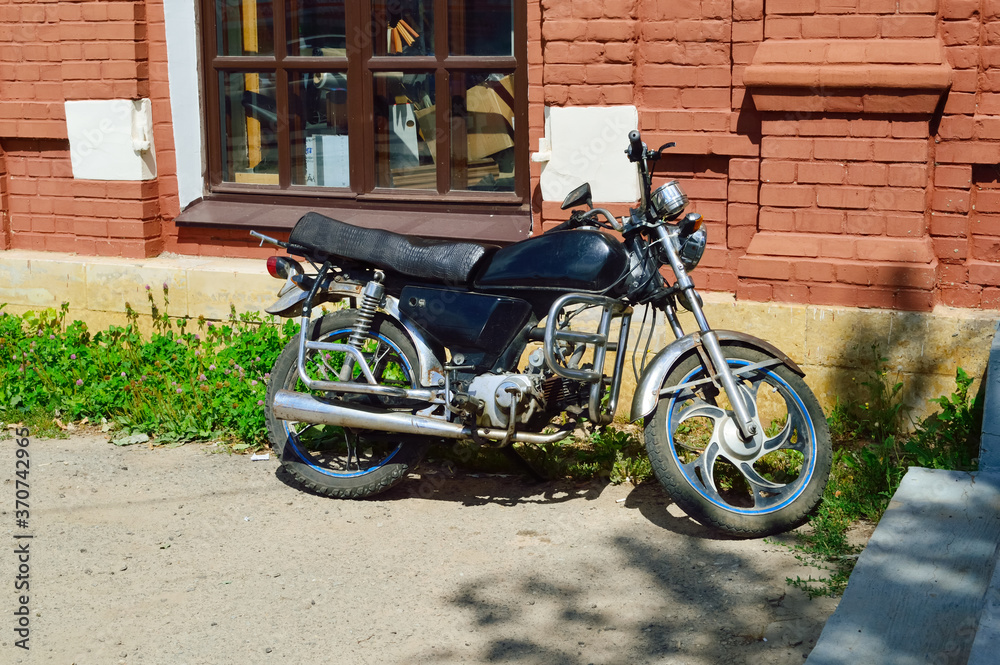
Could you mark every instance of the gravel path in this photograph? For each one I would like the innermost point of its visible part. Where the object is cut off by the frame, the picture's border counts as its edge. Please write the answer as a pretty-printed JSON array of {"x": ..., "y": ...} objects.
[{"x": 190, "y": 556}]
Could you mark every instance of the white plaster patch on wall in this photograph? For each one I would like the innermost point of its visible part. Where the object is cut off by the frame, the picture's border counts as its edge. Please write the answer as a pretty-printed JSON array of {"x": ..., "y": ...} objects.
[
  {"x": 588, "y": 145},
  {"x": 111, "y": 139},
  {"x": 185, "y": 97}
]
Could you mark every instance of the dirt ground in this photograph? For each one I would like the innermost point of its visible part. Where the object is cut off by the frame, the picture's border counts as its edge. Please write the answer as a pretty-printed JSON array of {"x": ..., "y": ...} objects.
[{"x": 191, "y": 556}]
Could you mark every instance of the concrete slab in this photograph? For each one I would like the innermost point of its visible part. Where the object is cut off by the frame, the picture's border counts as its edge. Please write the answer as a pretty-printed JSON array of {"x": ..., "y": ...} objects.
[
  {"x": 987, "y": 643},
  {"x": 38, "y": 282},
  {"x": 916, "y": 595},
  {"x": 110, "y": 286}
]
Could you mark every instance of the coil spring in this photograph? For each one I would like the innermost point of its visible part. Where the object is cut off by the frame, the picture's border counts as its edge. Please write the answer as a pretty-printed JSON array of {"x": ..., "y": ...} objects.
[{"x": 371, "y": 298}]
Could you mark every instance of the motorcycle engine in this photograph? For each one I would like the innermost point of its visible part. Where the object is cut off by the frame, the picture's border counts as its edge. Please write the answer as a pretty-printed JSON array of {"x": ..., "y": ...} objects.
[{"x": 496, "y": 393}]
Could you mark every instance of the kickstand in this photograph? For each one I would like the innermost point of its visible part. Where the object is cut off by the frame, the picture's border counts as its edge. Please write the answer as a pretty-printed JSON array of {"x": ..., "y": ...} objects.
[{"x": 519, "y": 462}]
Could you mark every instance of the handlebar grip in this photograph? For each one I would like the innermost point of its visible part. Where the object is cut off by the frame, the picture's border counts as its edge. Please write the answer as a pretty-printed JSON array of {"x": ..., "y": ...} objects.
[{"x": 635, "y": 148}]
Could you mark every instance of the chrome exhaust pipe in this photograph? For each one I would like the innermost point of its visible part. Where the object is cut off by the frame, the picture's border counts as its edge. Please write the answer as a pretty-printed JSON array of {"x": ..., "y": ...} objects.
[{"x": 300, "y": 407}]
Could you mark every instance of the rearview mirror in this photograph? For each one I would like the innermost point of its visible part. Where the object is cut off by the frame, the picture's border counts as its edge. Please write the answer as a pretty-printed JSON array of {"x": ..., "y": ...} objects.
[{"x": 579, "y": 196}]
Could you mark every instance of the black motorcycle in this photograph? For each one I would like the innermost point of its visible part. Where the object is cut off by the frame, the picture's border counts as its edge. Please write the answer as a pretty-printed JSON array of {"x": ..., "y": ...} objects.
[{"x": 464, "y": 340}]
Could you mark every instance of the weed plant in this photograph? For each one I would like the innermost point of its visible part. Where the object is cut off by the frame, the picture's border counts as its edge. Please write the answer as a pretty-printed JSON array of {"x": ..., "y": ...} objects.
[
  {"x": 191, "y": 379},
  {"x": 871, "y": 456}
]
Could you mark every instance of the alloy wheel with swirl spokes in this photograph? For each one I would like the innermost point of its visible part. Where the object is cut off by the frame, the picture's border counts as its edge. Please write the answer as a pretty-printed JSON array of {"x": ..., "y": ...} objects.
[{"x": 745, "y": 487}]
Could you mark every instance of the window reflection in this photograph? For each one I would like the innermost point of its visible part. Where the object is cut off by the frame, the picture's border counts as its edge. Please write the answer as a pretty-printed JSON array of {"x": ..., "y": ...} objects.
[
  {"x": 405, "y": 134},
  {"x": 320, "y": 155},
  {"x": 399, "y": 109},
  {"x": 244, "y": 27},
  {"x": 250, "y": 125},
  {"x": 481, "y": 27},
  {"x": 483, "y": 132},
  {"x": 317, "y": 28},
  {"x": 403, "y": 27}
]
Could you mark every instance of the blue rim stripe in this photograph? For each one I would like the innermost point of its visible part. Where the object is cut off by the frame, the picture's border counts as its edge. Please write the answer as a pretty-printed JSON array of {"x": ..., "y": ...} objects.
[
  {"x": 326, "y": 472},
  {"x": 695, "y": 483}
]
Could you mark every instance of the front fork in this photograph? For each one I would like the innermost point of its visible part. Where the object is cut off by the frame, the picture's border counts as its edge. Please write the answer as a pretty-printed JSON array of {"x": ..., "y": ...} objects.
[{"x": 710, "y": 341}]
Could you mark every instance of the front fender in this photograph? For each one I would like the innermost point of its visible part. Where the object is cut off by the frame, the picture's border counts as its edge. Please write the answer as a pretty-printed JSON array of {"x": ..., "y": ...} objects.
[{"x": 647, "y": 390}]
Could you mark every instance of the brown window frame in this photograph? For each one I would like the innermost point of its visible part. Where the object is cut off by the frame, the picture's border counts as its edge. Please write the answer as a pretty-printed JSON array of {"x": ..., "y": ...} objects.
[{"x": 361, "y": 64}]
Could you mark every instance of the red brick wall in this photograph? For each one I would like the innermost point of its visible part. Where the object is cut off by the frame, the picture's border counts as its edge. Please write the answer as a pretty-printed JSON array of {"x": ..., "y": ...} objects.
[
  {"x": 52, "y": 211},
  {"x": 53, "y": 52},
  {"x": 4, "y": 203},
  {"x": 680, "y": 63},
  {"x": 852, "y": 19},
  {"x": 823, "y": 204},
  {"x": 841, "y": 218},
  {"x": 881, "y": 201},
  {"x": 965, "y": 220},
  {"x": 905, "y": 233}
]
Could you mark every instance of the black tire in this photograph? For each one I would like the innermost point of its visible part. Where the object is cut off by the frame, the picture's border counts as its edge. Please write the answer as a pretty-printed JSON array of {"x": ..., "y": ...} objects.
[
  {"x": 337, "y": 461},
  {"x": 693, "y": 444}
]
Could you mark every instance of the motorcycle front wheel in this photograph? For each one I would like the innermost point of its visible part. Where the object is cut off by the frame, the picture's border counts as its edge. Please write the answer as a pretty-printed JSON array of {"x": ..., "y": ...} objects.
[
  {"x": 338, "y": 461},
  {"x": 746, "y": 489}
]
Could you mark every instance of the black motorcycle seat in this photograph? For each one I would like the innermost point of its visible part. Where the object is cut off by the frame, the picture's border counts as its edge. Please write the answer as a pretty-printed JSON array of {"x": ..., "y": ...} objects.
[{"x": 445, "y": 261}]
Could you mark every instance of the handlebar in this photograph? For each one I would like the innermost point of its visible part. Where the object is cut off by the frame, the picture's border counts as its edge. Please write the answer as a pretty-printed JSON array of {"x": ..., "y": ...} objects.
[
  {"x": 636, "y": 148},
  {"x": 607, "y": 215},
  {"x": 580, "y": 219},
  {"x": 638, "y": 155}
]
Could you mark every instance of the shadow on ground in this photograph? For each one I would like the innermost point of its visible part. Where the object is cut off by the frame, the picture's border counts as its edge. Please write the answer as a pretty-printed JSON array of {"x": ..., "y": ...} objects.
[{"x": 680, "y": 606}]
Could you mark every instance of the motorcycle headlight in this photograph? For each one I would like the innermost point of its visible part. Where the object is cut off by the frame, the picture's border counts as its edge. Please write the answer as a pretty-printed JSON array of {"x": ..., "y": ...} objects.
[
  {"x": 692, "y": 249},
  {"x": 669, "y": 200}
]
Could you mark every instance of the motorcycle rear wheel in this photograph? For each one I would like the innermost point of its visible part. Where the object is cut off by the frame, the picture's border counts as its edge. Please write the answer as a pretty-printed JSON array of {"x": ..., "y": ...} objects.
[
  {"x": 744, "y": 489},
  {"x": 337, "y": 461}
]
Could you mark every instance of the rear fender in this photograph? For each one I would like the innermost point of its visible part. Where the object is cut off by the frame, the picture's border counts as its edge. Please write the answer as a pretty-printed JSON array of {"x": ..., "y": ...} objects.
[
  {"x": 291, "y": 297},
  {"x": 289, "y": 305},
  {"x": 647, "y": 391}
]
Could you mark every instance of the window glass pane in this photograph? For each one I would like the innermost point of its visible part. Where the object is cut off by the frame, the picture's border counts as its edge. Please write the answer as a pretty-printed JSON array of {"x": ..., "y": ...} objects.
[
  {"x": 482, "y": 138},
  {"x": 249, "y": 128},
  {"x": 403, "y": 27},
  {"x": 317, "y": 28},
  {"x": 244, "y": 27},
  {"x": 318, "y": 124},
  {"x": 481, "y": 27},
  {"x": 404, "y": 130}
]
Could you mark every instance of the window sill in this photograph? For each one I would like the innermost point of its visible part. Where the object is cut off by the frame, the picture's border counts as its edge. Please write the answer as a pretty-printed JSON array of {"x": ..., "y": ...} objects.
[{"x": 502, "y": 226}]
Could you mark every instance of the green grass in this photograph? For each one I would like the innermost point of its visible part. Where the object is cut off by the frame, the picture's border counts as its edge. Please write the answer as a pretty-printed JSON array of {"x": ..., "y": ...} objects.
[
  {"x": 190, "y": 379},
  {"x": 615, "y": 453},
  {"x": 871, "y": 456}
]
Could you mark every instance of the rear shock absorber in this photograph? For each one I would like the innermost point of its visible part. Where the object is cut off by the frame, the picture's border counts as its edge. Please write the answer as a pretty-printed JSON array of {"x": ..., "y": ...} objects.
[{"x": 371, "y": 298}]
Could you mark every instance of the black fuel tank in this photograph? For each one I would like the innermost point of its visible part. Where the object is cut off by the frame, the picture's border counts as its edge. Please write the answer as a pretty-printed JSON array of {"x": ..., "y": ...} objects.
[{"x": 588, "y": 261}]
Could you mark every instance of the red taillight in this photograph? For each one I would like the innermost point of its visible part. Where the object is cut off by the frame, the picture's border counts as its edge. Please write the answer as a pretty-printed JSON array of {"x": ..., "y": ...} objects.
[
  {"x": 280, "y": 267},
  {"x": 272, "y": 267}
]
